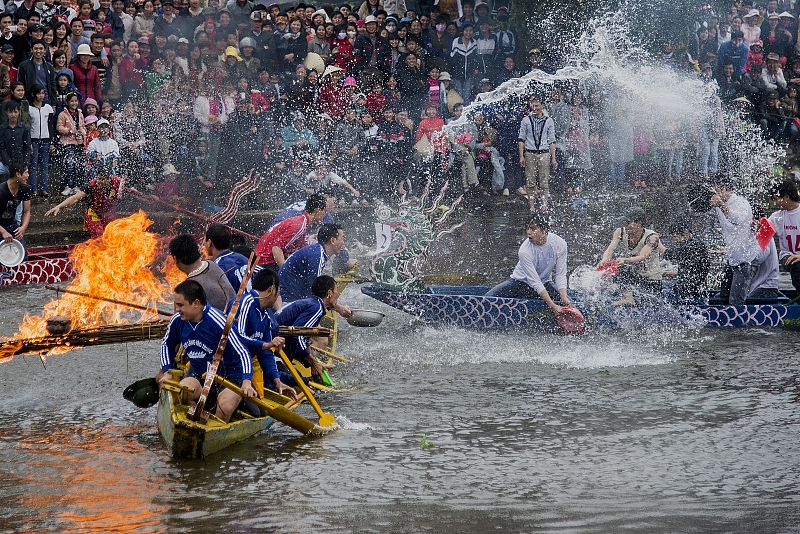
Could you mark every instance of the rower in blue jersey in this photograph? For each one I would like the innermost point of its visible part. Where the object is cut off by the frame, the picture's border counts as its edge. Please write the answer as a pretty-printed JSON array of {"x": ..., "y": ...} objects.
[
  {"x": 342, "y": 262},
  {"x": 217, "y": 246},
  {"x": 258, "y": 328},
  {"x": 198, "y": 328},
  {"x": 308, "y": 313},
  {"x": 303, "y": 267}
]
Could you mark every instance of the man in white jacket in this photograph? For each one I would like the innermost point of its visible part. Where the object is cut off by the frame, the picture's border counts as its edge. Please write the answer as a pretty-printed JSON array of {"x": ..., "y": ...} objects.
[{"x": 735, "y": 218}]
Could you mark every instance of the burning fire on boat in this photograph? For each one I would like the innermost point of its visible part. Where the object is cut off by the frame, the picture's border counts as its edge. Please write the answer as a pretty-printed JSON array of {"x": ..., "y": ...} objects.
[{"x": 117, "y": 269}]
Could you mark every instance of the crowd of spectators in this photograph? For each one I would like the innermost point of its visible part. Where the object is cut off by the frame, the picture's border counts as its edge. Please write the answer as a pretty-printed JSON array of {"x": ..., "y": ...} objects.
[
  {"x": 309, "y": 96},
  {"x": 351, "y": 97},
  {"x": 752, "y": 52}
]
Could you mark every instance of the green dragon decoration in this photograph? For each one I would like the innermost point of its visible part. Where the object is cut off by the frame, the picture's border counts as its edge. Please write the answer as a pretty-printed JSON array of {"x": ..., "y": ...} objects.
[{"x": 415, "y": 224}]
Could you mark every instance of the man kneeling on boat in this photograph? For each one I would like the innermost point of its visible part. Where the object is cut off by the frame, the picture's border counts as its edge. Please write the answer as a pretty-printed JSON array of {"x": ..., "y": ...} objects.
[
  {"x": 308, "y": 313},
  {"x": 542, "y": 258},
  {"x": 258, "y": 327},
  {"x": 198, "y": 328}
]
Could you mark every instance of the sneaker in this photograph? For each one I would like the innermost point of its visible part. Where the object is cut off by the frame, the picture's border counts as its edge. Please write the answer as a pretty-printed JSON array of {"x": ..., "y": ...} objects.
[
  {"x": 521, "y": 191},
  {"x": 505, "y": 192},
  {"x": 67, "y": 192}
]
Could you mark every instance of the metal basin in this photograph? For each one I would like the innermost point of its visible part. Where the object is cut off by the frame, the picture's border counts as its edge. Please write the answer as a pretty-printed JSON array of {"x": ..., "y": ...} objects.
[{"x": 365, "y": 318}]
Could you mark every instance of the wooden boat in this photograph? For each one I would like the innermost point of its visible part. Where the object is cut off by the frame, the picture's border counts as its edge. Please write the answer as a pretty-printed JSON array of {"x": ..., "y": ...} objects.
[
  {"x": 194, "y": 439},
  {"x": 45, "y": 265},
  {"x": 467, "y": 307}
]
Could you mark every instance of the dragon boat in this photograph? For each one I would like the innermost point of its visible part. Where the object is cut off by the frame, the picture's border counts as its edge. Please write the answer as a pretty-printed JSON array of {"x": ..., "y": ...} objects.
[
  {"x": 45, "y": 265},
  {"x": 468, "y": 307},
  {"x": 190, "y": 439}
]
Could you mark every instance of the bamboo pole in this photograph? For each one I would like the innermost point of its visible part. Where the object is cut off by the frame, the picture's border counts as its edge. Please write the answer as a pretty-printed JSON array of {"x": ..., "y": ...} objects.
[{"x": 112, "y": 301}]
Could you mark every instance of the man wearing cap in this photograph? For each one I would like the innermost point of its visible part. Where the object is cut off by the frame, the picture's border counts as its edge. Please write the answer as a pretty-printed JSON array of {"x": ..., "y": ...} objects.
[
  {"x": 734, "y": 52},
  {"x": 735, "y": 218},
  {"x": 772, "y": 117},
  {"x": 634, "y": 250},
  {"x": 537, "y": 149},
  {"x": 37, "y": 70},
  {"x": 102, "y": 148},
  {"x": 168, "y": 23},
  {"x": 6, "y": 59},
  {"x": 371, "y": 51},
  {"x": 773, "y": 74},
  {"x": 262, "y": 36},
  {"x": 506, "y": 38},
  {"x": 87, "y": 77}
]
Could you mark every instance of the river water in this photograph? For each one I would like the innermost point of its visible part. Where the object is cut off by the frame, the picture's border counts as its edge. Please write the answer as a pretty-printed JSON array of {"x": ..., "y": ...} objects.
[{"x": 663, "y": 430}]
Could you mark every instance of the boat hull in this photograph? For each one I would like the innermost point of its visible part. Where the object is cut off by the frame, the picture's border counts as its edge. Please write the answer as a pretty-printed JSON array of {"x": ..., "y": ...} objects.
[
  {"x": 188, "y": 439},
  {"x": 466, "y": 307},
  {"x": 45, "y": 265}
]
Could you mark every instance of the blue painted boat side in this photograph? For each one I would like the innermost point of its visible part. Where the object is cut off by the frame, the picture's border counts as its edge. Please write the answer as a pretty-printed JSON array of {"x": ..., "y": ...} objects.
[{"x": 466, "y": 307}]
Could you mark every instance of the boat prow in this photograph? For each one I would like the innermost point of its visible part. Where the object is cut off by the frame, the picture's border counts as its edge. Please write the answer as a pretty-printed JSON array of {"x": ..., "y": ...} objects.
[
  {"x": 45, "y": 265},
  {"x": 194, "y": 440}
]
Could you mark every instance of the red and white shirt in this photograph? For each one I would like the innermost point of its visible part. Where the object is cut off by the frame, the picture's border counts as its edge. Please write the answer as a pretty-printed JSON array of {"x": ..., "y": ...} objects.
[
  {"x": 289, "y": 235},
  {"x": 787, "y": 228}
]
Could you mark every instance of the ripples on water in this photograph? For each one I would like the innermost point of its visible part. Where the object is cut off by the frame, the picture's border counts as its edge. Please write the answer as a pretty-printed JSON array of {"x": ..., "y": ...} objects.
[{"x": 688, "y": 430}]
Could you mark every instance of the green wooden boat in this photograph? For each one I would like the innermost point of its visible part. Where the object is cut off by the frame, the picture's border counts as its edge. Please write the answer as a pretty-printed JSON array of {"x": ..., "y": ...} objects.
[{"x": 192, "y": 439}]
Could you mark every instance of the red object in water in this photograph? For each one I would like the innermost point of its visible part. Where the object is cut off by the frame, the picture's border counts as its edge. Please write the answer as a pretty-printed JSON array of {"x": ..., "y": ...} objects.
[
  {"x": 608, "y": 268},
  {"x": 571, "y": 320},
  {"x": 765, "y": 232}
]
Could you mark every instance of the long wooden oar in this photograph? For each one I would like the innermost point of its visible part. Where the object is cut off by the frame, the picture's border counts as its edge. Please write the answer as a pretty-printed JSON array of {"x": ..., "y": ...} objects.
[
  {"x": 198, "y": 412},
  {"x": 276, "y": 411},
  {"x": 330, "y": 354},
  {"x": 325, "y": 419},
  {"x": 110, "y": 300}
]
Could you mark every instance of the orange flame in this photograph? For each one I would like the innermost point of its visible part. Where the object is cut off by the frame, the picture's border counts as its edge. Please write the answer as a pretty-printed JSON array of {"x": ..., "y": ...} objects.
[{"x": 115, "y": 265}]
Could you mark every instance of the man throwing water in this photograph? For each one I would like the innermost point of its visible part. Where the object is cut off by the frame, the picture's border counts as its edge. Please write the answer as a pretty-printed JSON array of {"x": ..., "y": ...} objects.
[{"x": 542, "y": 259}]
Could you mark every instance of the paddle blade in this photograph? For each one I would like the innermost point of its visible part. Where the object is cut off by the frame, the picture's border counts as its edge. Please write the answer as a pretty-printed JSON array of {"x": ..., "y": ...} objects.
[
  {"x": 571, "y": 321},
  {"x": 766, "y": 231},
  {"x": 608, "y": 268},
  {"x": 327, "y": 420}
]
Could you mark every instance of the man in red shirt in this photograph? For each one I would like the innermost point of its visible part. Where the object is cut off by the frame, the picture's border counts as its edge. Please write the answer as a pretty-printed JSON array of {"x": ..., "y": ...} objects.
[{"x": 289, "y": 235}]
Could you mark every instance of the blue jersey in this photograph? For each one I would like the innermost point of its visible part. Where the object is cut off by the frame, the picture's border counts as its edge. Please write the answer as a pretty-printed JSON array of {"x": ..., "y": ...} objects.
[
  {"x": 300, "y": 207},
  {"x": 305, "y": 312},
  {"x": 231, "y": 263},
  {"x": 200, "y": 342},
  {"x": 300, "y": 270},
  {"x": 257, "y": 326}
]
